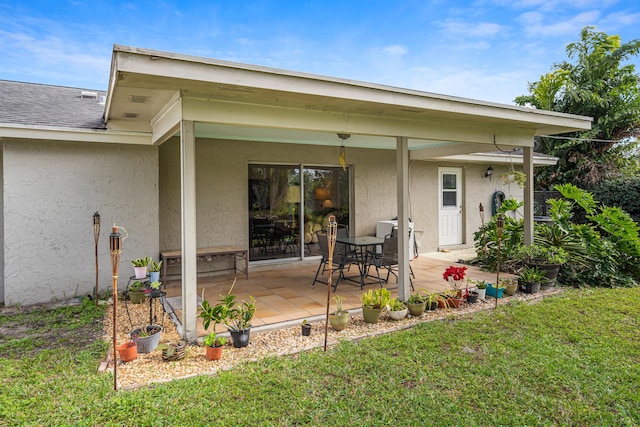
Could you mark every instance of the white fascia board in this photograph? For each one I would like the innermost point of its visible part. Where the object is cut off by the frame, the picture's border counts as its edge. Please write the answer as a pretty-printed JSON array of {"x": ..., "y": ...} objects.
[
  {"x": 158, "y": 63},
  {"x": 500, "y": 158},
  {"x": 73, "y": 134}
]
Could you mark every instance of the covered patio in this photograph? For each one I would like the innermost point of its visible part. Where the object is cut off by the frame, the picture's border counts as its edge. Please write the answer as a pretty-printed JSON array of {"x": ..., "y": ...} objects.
[
  {"x": 285, "y": 296},
  {"x": 213, "y": 120}
]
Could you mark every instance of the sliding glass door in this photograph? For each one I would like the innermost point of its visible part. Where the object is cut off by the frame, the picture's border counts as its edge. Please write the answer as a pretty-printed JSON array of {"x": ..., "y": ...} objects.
[{"x": 285, "y": 211}]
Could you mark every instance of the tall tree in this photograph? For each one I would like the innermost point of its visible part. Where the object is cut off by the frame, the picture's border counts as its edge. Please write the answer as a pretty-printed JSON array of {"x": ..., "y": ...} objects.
[{"x": 598, "y": 83}]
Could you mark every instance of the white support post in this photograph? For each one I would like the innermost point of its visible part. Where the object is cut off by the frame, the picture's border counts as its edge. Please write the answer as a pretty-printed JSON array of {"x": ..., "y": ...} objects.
[
  {"x": 402, "y": 170},
  {"x": 528, "y": 195},
  {"x": 188, "y": 225}
]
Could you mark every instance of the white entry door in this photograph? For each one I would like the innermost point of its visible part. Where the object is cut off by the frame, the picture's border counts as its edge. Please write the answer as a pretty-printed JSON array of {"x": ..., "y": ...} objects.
[{"x": 450, "y": 199}]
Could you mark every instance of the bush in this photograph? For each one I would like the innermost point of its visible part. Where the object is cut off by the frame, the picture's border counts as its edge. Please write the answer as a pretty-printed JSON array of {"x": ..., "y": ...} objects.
[{"x": 617, "y": 193}]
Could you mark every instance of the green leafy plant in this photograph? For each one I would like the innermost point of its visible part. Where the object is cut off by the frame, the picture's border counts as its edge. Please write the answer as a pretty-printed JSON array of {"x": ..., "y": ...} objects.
[
  {"x": 155, "y": 266},
  {"x": 137, "y": 286},
  {"x": 155, "y": 285},
  {"x": 141, "y": 262},
  {"x": 531, "y": 275},
  {"x": 416, "y": 298},
  {"x": 378, "y": 299},
  {"x": 212, "y": 340},
  {"x": 396, "y": 305},
  {"x": 338, "y": 299},
  {"x": 481, "y": 284},
  {"x": 234, "y": 315}
]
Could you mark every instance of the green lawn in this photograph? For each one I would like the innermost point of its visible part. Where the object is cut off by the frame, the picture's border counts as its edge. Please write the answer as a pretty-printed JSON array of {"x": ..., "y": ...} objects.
[{"x": 572, "y": 359}]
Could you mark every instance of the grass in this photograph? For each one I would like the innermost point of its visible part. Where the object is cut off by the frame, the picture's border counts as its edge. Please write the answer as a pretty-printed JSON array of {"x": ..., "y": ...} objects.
[{"x": 573, "y": 359}]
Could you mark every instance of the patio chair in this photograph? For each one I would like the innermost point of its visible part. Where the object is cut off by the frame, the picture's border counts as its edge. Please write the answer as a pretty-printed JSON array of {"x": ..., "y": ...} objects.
[
  {"x": 387, "y": 259},
  {"x": 340, "y": 260}
]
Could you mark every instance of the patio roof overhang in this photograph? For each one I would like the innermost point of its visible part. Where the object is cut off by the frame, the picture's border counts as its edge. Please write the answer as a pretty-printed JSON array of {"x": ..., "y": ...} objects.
[{"x": 152, "y": 91}]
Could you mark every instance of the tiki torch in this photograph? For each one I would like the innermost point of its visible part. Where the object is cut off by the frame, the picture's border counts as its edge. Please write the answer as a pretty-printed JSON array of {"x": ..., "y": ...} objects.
[
  {"x": 484, "y": 240},
  {"x": 96, "y": 236},
  {"x": 115, "y": 249},
  {"x": 499, "y": 227},
  {"x": 332, "y": 231}
]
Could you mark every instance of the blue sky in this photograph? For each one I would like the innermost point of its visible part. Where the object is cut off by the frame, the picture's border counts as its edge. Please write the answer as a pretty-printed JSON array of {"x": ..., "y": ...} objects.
[{"x": 484, "y": 49}]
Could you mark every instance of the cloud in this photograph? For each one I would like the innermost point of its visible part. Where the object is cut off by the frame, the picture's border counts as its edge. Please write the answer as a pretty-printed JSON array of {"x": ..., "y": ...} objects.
[
  {"x": 466, "y": 29},
  {"x": 395, "y": 50},
  {"x": 536, "y": 24}
]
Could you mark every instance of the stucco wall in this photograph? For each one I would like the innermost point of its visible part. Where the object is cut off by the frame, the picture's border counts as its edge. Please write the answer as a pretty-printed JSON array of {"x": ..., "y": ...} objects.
[
  {"x": 222, "y": 216},
  {"x": 51, "y": 191}
]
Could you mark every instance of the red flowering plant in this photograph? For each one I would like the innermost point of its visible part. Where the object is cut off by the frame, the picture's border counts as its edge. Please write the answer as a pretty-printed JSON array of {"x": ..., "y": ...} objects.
[{"x": 454, "y": 275}]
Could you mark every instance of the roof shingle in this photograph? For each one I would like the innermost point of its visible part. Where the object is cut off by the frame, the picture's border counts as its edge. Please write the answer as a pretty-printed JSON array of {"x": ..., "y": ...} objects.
[{"x": 44, "y": 105}]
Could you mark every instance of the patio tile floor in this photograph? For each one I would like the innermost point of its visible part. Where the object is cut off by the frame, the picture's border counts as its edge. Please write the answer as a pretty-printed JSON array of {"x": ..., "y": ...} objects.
[{"x": 285, "y": 293}]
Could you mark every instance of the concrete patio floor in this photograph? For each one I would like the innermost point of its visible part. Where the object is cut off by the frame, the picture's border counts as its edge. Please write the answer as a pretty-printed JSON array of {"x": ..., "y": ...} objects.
[{"x": 284, "y": 293}]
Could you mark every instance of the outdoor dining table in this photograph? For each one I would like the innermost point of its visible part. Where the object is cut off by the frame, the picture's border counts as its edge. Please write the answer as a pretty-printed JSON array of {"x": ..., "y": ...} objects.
[{"x": 361, "y": 244}]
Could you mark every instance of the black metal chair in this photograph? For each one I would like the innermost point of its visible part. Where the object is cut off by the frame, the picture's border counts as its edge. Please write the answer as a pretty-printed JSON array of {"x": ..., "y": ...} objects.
[
  {"x": 341, "y": 258},
  {"x": 387, "y": 259}
]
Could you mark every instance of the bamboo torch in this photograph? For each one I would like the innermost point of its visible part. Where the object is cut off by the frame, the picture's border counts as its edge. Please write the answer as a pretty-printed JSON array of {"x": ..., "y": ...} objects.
[
  {"x": 499, "y": 226},
  {"x": 96, "y": 236},
  {"x": 484, "y": 240},
  {"x": 332, "y": 231},
  {"x": 115, "y": 249}
]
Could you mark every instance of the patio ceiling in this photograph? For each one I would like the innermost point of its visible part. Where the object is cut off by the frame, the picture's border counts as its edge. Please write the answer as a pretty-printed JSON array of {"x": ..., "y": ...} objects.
[{"x": 152, "y": 91}]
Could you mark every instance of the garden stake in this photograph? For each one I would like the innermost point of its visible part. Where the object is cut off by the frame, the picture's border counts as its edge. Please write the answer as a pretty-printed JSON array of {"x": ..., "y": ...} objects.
[
  {"x": 332, "y": 231},
  {"x": 115, "y": 249},
  {"x": 96, "y": 236},
  {"x": 499, "y": 225}
]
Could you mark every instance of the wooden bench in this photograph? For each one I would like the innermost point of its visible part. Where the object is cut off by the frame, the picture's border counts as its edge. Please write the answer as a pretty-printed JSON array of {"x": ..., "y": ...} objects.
[{"x": 175, "y": 256}]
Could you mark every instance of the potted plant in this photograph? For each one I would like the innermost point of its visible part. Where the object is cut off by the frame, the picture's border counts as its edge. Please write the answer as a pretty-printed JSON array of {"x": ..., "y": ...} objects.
[
  {"x": 140, "y": 266},
  {"x": 128, "y": 351},
  {"x": 172, "y": 352},
  {"x": 339, "y": 318},
  {"x": 495, "y": 291},
  {"x": 373, "y": 303},
  {"x": 518, "y": 177},
  {"x": 510, "y": 286},
  {"x": 147, "y": 338},
  {"x": 136, "y": 293},
  {"x": 431, "y": 302},
  {"x": 442, "y": 300},
  {"x": 234, "y": 315},
  {"x": 397, "y": 309},
  {"x": 213, "y": 346},
  {"x": 454, "y": 298},
  {"x": 306, "y": 328},
  {"x": 549, "y": 259},
  {"x": 472, "y": 297},
  {"x": 530, "y": 279},
  {"x": 455, "y": 276},
  {"x": 155, "y": 290},
  {"x": 154, "y": 270},
  {"x": 416, "y": 304},
  {"x": 481, "y": 289}
]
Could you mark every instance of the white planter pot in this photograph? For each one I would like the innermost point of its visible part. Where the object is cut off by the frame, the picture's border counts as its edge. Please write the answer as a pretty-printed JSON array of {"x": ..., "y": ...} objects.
[{"x": 481, "y": 292}]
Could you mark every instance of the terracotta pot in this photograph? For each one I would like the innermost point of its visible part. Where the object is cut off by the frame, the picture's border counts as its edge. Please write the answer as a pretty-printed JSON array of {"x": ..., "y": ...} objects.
[
  {"x": 214, "y": 353},
  {"x": 454, "y": 302},
  {"x": 128, "y": 351}
]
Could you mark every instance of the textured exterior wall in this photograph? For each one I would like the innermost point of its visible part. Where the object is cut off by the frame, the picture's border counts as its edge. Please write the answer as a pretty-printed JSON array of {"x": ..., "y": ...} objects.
[
  {"x": 51, "y": 191},
  {"x": 222, "y": 193},
  {"x": 2, "y": 224}
]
